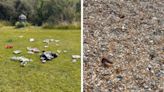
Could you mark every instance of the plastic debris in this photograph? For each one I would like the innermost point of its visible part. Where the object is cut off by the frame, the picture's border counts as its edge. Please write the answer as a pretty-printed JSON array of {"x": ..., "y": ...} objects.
[
  {"x": 76, "y": 56},
  {"x": 58, "y": 51},
  {"x": 30, "y": 52},
  {"x": 51, "y": 40},
  {"x": 8, "y": 46},
  {"x": 31, "y": 39},
  {"x": 47, "y": 56},
  {"x": 17, "y": 51},
  {"x": 48, "y": 40},
  {"x": 74, "y": 60},
  {"x": 21, "y": 36},
  {"x": 35, "y": 50},
  {"x": 46, "y": 46},
  {"x": 22, "y": 59},
  {"x": 57, "y": 40},
  {"x": 65, "y": 51}
]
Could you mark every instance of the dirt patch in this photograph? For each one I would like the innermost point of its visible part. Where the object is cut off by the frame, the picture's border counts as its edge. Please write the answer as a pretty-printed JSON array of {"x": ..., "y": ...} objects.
[{"x": 123, "y": 45}]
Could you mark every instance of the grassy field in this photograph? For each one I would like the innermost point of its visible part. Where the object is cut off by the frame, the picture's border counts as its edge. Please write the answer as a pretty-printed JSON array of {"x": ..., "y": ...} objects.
[{"x": 60, "y": 75}]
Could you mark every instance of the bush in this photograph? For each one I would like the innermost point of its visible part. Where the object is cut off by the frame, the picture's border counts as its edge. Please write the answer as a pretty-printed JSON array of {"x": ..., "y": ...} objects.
[
  {"x": 4, "y": 23},
  {"x": 62, "y": 26},
  {"x": 21, "y": 24}
]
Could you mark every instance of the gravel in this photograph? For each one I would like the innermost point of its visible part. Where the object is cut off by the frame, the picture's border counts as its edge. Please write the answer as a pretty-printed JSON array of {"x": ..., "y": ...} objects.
[{"x": 130, "y": 34}]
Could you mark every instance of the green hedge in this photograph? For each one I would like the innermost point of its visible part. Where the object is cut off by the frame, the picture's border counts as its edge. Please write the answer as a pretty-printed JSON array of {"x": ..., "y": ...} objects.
[{"x": 62, "y": 26}]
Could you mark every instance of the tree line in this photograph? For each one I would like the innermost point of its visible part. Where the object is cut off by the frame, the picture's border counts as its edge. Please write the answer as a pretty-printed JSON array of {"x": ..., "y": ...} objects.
[{"x": 39, "y": 12}]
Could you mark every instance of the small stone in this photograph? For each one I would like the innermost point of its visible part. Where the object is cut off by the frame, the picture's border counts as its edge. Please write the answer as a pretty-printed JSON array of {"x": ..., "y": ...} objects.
[
  {"x": 121, "y": 16},
  {"x": 151, "y": 41},
  {"x": 119, "y": 77},
  {"x": 106, "y": 63}
]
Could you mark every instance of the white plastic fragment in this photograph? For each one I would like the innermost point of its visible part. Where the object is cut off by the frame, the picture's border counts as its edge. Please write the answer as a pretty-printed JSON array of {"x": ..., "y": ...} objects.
[
  {"x": 76, "y": 56},
  {"x": 65, "y": 51},
  {"x": 23, "y": 63},
  {"x": 74, "y": 60},
  {"x": 35, "y": 50},
  {"x": 22, "y": 59},
  {"x": 57, "y": 40},
  {"x": 48, "y": 40},
  {"x": 51, "y": 40},
  {"x": 21, "y": 36},
  {"x": 30, "y": 52},
  {"x": 31, "y": 39},
  {"x": 46, "y": 46},
  {"x": 17, "y": 51},
  {"x": 58, "y": 51}
]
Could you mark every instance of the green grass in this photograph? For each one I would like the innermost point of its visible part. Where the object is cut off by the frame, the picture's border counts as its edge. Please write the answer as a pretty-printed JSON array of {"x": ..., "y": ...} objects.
[{"x": 60, "y": 75}]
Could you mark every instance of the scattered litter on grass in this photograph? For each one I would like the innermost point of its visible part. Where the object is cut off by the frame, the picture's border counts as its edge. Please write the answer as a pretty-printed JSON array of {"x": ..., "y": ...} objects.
[
  {"x": 48, "y": 40},
  {"x": 47, "y": 56},
  {"x": 35, "y": 50},
  {"x": 30, "y": 52},
  {"x": 17, "y": 51},
  {"x": 31, "y": 39},
  {"x": 22, "y": 59},
  {"x": 9, "y": 46}
]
